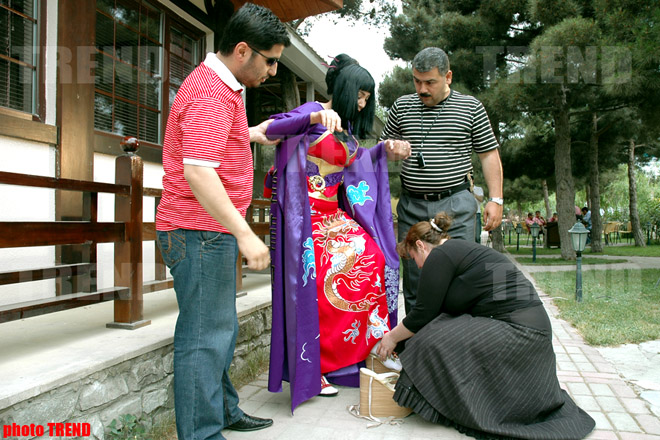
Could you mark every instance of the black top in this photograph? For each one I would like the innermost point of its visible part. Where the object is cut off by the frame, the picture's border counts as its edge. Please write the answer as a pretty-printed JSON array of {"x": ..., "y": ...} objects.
[{"x": 462, "y": 276}]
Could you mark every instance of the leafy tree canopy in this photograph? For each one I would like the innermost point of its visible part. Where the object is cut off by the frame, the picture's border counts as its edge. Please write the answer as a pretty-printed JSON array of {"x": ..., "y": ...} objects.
[
  {"x": 374, "y": 12},
  {"x": 396, "y": 84}
]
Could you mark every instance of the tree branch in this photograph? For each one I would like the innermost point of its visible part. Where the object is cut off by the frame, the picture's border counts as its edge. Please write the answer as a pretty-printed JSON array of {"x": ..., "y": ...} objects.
[
  {"x": 296, "y": 23},
  {"x": 599, "y": 109},
  {"x": 604, "y": 129}
]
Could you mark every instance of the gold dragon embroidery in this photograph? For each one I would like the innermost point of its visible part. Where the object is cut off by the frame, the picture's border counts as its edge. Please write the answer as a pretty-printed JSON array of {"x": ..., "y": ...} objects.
[{"x": 343, "y": 254}]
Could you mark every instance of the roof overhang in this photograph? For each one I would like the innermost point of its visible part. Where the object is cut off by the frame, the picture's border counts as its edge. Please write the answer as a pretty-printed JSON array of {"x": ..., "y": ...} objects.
[
  {"x": 302, "y": 60},
  {"x": 288, "y": 10}
]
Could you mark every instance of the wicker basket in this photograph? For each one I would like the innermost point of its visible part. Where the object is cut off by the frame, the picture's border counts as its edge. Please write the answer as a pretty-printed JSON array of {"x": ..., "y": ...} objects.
[
  {"x": 376, "y": 391},
  {"x": 374, "y": 364}
]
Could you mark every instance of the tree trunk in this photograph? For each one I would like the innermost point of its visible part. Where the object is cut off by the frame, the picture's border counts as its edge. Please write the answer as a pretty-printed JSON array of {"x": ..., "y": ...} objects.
[
  {"x": 587, "y": 193},
  {"x": 548, "y": 213},
  {"x": 497, "y": 237},
  {"x": 594, "y": 187},
  {"x": 564, "y": 176},
  {"x": 632, "y": 193},
  {"x": 546, "y": 199}
]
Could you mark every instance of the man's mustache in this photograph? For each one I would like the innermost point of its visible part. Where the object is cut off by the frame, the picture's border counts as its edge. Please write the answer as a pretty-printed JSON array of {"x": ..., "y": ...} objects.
[{"x": 425, "y": 95}]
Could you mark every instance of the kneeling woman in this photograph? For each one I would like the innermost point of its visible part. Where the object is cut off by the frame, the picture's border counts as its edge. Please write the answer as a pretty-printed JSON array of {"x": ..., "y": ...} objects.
[{"x": 478, "y": 354}]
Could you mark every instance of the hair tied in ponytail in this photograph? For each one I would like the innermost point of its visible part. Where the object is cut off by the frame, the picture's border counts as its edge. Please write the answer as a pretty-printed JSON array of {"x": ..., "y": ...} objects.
[{"x": 434, "y": 226}]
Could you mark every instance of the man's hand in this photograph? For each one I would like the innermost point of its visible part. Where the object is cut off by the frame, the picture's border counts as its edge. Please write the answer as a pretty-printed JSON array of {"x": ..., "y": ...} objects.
[
  {"x": 258, "y": 134},
  {"x": 397, "y": 149},
  {"x": 210, "y": 192},
  {"x": 255, "y": 251},
  {"x": 328, "y": 118},
  {"x": 492, "y": 216}
]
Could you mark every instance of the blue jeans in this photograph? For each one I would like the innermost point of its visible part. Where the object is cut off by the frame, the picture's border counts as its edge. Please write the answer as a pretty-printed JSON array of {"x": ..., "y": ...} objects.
[{"x": 203, "y": 265}]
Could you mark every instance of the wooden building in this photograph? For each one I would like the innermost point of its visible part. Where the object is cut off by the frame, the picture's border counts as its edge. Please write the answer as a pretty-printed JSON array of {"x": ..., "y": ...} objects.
[{"x": 80, "y": 75}]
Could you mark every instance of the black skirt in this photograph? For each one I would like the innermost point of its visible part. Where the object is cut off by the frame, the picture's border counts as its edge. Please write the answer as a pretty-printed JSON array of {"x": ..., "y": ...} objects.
[{"x": 489, "y": 379}]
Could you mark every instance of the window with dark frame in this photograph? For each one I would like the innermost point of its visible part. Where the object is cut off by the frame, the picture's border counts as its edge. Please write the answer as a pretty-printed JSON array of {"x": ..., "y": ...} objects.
[
  {"x": 130, "y": 39},
  {"x": 18, "y": 55},
  {"x": 184, "y": 57}
]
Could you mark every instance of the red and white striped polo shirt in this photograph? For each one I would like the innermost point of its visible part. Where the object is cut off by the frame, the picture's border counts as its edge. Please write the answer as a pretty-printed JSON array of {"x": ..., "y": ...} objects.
[{"x": 207, "y": 126}]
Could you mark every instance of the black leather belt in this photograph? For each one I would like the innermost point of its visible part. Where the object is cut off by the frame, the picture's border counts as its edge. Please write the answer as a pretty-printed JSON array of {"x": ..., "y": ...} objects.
[{"x": 434, "y": 197}]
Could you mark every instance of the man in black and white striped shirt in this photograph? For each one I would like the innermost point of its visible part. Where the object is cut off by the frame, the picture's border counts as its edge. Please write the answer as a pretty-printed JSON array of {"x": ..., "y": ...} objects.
[{"x": 443, "y": 128}]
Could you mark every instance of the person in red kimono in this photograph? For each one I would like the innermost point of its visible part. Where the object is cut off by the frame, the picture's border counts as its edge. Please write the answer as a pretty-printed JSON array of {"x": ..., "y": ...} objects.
[{"x": 339, "y": 243}]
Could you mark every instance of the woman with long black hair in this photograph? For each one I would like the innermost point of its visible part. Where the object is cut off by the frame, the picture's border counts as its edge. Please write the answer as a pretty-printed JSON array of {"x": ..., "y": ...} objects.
[{"x": 335, "y": 267}]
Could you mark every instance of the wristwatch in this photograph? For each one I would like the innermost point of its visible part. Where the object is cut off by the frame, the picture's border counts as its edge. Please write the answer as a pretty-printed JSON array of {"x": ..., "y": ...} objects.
[{"x": 498, "y": 200}]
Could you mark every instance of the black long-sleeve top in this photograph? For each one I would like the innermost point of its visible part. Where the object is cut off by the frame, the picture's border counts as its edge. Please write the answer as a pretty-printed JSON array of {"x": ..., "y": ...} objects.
[{"x": 462, "y": 276}]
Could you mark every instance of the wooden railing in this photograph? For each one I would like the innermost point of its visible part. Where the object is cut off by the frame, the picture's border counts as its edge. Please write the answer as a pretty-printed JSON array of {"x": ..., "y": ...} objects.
[
  {"x": 258, "y": 216},
  {"x": 127, "y": 232}
]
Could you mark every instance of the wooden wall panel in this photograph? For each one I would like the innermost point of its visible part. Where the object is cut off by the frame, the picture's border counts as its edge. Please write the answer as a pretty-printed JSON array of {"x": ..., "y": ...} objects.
[{"x": 75, "y": 99}]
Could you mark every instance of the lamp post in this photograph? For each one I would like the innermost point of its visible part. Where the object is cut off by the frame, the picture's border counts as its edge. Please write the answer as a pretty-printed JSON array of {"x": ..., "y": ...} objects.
[
  {"x": 518, "y": 231},
  {"x": 535, "y": 233},
  {"x": 508, "y": 228},
  {"x": 579, "y": 241}
]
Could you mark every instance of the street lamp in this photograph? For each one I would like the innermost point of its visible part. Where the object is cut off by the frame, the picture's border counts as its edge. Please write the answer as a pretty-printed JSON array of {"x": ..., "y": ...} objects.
[
  {"x": 535, "y": 233},
  {"x": 518, "y": 231},
  {"x": 579, "y": 241}
]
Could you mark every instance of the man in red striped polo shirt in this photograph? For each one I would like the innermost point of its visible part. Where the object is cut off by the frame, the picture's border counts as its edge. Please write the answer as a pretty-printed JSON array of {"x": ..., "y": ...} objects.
[{"x": 201, "y": 224}]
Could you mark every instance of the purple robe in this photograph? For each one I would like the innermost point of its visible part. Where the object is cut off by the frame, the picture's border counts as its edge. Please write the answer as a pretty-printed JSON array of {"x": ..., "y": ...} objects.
[{"x": 295, "y": 349}]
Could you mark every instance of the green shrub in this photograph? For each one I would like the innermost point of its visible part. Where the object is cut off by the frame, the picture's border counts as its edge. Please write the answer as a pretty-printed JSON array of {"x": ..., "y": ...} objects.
[{"x": 127, "y": 427}]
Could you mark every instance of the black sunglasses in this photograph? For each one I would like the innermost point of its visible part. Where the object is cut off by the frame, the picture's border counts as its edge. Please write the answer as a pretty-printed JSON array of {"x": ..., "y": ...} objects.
[{"x": 269, "y": 60}]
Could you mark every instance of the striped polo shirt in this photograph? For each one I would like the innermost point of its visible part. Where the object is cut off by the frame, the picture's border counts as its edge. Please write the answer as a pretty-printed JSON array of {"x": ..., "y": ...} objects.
[
  {"x": 207, "y": 126},
  {"x": 446, "y": 136}
]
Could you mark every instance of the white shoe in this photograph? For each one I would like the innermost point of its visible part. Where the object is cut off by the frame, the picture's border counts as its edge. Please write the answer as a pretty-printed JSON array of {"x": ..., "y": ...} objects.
[
  {"x": 392, "y": 362},
  {"x": 327, "y": 390}
]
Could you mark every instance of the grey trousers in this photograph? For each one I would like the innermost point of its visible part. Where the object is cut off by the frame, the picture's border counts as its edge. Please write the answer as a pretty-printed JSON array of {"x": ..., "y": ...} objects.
[{"x": 462, "y": 207}]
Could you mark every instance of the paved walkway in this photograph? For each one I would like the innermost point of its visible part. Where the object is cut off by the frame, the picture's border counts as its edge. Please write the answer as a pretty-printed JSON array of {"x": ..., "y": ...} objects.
[{"x": 589, "y": 377}]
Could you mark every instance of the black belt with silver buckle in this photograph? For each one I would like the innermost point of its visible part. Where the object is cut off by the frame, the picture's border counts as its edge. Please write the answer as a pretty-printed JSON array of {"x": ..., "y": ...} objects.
[{"x": 434, "y": 197}]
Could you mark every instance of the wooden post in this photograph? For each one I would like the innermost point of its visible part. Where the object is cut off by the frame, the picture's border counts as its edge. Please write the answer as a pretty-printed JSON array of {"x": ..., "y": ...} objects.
[
  {"x": 290, "y": 92},
  {"x": 128, "y": 254},
  {"x": 160, "y": 269},
  {"x": 90, "y": 213},
  {"x": 311, "y": 92},
  {"x": 239, "y": 261}
]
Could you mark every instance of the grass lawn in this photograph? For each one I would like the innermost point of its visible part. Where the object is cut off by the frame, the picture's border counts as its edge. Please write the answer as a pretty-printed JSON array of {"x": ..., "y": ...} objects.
[
  {"x": 548, "y": 261},
  {"x": 622, "y": 251},
  {"x": 618, "y": 306},
  {"x": 528, "y": 250}
]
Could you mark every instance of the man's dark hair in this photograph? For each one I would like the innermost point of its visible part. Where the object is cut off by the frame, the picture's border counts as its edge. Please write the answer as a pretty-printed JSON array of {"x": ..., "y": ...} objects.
[
  {"x": 255, "y": 25},
  {"x": 429, "y": 58},
  {"x": 344, "y": 79}
]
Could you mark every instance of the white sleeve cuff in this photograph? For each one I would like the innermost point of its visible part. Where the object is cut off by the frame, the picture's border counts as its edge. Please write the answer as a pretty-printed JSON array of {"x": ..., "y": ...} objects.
[{"x": 201, "y": 163}]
